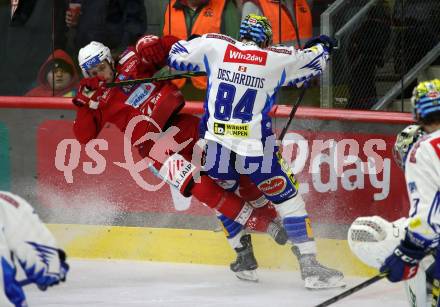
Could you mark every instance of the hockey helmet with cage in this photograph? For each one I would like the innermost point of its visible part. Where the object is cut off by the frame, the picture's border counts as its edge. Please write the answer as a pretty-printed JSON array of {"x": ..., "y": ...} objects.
[
  {"x": 426, "y": 99},
  {"x": 257, "y": 29},
  {"x": 91, "y": 55},
  {"x": 404, "y": 141}
]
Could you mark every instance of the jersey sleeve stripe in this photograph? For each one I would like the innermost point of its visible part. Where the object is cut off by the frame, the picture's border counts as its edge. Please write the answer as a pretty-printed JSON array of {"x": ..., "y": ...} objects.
[{"x": 433, "y": 211}]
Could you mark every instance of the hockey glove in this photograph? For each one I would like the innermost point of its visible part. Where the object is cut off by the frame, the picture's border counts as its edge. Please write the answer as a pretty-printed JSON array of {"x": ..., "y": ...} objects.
[
  {"x": 89, "y": 92},
  {"x": 150, "y": 48},
  {"x": 43, "y": 282},
  {"x": 327, "y": 42},
  {"x": 403, "y": 263}
]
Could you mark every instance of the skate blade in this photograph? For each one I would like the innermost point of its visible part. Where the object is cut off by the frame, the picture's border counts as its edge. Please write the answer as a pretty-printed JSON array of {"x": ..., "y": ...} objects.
[
  {"x": 313, "y": 283},
  {"x": 247, "y": 275}
]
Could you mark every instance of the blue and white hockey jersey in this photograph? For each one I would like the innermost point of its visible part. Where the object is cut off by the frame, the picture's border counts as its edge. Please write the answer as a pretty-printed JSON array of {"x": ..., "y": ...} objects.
[
  {"x": 422, "y": 174},
  {"x": 242, "y": 82},
  {"x": 24, "y": 240}
]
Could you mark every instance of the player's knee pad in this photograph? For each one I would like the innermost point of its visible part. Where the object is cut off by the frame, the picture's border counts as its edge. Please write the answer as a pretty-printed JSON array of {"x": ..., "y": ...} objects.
[
  {"x": 296, "y": 222},
  {"x": 294, "y": 206},
  {"x": 230, "y": 227}
]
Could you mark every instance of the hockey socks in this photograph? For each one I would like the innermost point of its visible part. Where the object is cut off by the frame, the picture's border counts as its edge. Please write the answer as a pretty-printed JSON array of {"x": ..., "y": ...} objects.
[
  {"x": 233, "y": 230},
  {"x": 300, "y": 233}
]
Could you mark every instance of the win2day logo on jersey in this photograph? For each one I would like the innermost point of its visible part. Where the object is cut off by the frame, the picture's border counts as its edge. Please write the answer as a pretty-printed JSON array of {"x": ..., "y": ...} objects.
[{"x": 235, "y": 55}]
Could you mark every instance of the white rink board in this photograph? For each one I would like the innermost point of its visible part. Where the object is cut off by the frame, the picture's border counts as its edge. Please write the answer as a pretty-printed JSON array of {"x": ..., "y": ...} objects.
[{"x": 130, "y": 283}]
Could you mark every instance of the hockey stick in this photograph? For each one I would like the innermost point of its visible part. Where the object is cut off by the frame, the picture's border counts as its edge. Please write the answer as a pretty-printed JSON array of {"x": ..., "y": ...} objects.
[
  {"x": 350, "y": 291},
  {"x": 188, "y": 74},
  {"x": 435, "y": 292},
  {"x": 293, "y": 111}
]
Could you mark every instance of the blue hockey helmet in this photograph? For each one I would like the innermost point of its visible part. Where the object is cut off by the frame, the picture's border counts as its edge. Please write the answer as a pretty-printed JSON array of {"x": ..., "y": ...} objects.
[
  {"x": 257, "y": 29},
  {"x": 426, "y": 99}
]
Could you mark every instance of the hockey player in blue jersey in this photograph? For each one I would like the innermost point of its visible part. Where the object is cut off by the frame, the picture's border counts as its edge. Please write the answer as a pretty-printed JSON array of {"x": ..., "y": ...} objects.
[
  {"x": 27, "y": 245},
  {"x": 243, "y": 79}
]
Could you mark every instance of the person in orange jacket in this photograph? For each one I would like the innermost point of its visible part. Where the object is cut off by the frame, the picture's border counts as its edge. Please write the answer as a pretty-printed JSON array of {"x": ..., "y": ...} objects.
[{"x": 197, "y": 17}]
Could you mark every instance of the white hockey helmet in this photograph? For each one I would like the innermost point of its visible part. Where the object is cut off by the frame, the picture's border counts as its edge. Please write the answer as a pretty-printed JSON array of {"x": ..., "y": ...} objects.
[{"x": 91, "y": 55}]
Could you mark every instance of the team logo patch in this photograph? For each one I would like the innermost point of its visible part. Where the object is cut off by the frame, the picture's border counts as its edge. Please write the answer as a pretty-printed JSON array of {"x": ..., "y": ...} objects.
[
  {"x": 273, "y": 186},
  {"x": 141, "y": 94},
  {"x": 412, "y": 187},
  {"x": 233, "y": 130},
  {"x": 92, "y": 62},
  {"x": 235, "y": 55}
]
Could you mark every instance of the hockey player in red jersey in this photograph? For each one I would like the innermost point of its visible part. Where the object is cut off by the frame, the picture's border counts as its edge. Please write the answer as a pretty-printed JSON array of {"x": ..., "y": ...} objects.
[{"x": 161, "y": 102}]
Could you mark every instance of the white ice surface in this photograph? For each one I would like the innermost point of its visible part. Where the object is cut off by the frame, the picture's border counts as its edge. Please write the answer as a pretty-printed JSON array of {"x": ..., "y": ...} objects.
[{"x": 130, "y": 283}]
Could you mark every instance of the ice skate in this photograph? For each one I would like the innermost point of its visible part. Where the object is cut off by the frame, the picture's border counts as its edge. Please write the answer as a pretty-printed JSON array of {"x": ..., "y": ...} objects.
[
  {"x": 277, "y": 232},
  {"x": 245, "y": 266},
  {"x": 315, "y": 275}
]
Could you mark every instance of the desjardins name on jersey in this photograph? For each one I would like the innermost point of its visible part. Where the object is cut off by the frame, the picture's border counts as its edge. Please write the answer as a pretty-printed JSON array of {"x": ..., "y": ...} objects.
[{"x": 240, "y": 78}]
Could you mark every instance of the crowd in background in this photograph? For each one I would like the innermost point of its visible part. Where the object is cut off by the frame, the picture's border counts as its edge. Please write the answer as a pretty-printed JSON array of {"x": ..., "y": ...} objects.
[{"x": 42, "y": 38}]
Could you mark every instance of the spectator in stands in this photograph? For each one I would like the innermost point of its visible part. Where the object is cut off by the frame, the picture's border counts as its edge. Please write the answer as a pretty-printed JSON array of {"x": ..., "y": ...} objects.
[
  {"x": 365, "y": 50},
  {"x": 115, "y": 23},
  {"x": 189, "y": 17},
  {"x": 57, "y": 76},
  {"x": 296, "y": 18},
  {"x": 28, "y": 33}
]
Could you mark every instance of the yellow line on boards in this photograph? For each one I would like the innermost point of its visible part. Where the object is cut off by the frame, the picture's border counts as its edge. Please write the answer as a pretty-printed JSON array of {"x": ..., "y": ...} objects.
[{"x": 191, "y": 246}]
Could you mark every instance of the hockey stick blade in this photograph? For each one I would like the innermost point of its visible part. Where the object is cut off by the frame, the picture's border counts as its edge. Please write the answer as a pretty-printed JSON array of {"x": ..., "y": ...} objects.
[
  {"x": 156, "y": 79},
  {"x": 350, "y": 291}
]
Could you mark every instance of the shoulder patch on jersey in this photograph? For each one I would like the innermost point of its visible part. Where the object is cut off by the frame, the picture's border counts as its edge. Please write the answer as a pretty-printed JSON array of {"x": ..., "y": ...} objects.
[
  {"x": 436, "y": 144},
  {"x": 222, "y": 37},
  {"x": 125, "y": 57},
  {"x": 235, "y": 55},
  {"x": 279, "y": 50}
]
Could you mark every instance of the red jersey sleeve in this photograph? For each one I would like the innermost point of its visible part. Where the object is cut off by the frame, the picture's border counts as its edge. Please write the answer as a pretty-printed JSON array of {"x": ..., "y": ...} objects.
[
  {"x": 167, "y": 42},
  {"x": 85, "y": 126}
]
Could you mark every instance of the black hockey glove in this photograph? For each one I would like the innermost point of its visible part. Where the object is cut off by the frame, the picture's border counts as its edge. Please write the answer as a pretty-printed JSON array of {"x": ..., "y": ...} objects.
[{"x": 327, "y": 42}]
